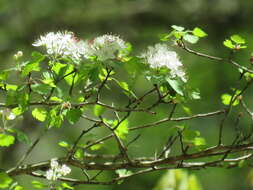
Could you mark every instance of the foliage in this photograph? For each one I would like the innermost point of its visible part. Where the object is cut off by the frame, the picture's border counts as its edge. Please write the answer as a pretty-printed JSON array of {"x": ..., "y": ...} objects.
[{"x": 65, "y": 83}]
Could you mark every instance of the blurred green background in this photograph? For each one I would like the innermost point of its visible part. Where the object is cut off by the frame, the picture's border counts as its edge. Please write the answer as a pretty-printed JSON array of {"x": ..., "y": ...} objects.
[{"x": 139, "y": 22}]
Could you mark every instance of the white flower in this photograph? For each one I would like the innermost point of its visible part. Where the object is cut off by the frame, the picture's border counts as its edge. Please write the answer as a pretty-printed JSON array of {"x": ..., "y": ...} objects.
[
  {"x": 63, "y": 44},
  {"x": 50, "y": 175},
  {"x": 106, "y": 47},
  {"x": 54, "y": 164},
  {"x": 65, "y": 170},
  {"x": 57, "y": 170},
  {"x": 161, "y": 56}
]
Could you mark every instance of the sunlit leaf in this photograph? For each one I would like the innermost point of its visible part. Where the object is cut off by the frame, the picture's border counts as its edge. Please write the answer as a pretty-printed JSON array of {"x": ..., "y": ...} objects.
[
  {"x": 38, "y": 184},
  {"x": 237, "y": 39},
  {"x": 191, "y": 38},
  {"x": 39, "y": 114},
  {"x": 226, "y": 99},
  {"x": 5, "y": 180},
  {"x": 41, "y": 88},
  {"x": 229, "y": 44},
  {"x": 178, "y": 28},
  {"x": 199, "y": 32},
  {"x": 6, "y": 140},
  {"x": 122, "y": 130},
  {"x": 98, "y": 110}
]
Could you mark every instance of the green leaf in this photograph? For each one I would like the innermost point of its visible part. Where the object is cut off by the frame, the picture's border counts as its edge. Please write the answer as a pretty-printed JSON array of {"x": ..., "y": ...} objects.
[
  {"x": 199, "y": 141},
  {"x": 124, "y": 86},
  {"x": 11, "y": 87},
  {"x": 39, "y": 114},
  {"x": 191, "y": 38},
  {"x": 98, "y": 110},
  {"x": 177, "y": 28},
  {"x": 134, "y": 66},
  {"x": 64, "y": 144},
  {"x": 49, "y": 82},
  {"x": 4, "y": 75},
  {"x": 41, "y": 88},
  {"x": 195, "y": 95},
  {"x": 175, "y": 85},
  {"x": 165, "y": 37},
  {"x": 65, "y": 185},
  {"x": 189, "y": 135},
  {"x": 6, "y": 140},
  {"x": 22, "y": 137},
  {"x": 33, "y": 66},
  {"x": 96, "y": 147},
  {"x": 73, "y": 115},
  {"x": 58, "y": 68},
  {"x": 37, "y": 56},
  {"x": 11, "y": 97},
  {"x": 193, "y": 183},
  {"x": 54, "y": 118},
  {"x": 18, "y": 187},
  {"x": 226, "y": 98},
  {"x": 74, "y": 76},
  {"x": 56, "y": 99},
  {"x": 229, "y": 44},
  {"x": 237, "y": 39},
  {"x": 187, "y": 110},
  {"x": 5, "y": 180},
  {"x": 122, "y": 130},
  {"x": 38, "y": 184},
  {"x": 17, "y": 111},
  {"x": 199, "y": 32},
  {"x": 79, "y": 154}
]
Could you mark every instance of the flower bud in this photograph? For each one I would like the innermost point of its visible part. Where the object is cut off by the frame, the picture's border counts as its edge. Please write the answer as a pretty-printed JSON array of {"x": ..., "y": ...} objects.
[{"x": 18, "y": 55}]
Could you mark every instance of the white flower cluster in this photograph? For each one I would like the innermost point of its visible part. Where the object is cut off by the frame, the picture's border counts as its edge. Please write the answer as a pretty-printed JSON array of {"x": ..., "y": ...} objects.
[
  {"x": 57, "y": 170},
  {"x": 63, "y": 44},
  {"x": 106, "y": 47},
  {"x": 161, "y": 56}
]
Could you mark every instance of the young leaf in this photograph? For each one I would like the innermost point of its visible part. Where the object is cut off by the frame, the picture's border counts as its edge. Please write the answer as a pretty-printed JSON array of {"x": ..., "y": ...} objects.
[
  {"x": 122, "y": 130},
  {"x": 79, "y": 154},
  {"x": 191, "y": 38},
  {"x": 226, "y": 98},
  {"x": 199, "y": 32},
  {"x": 177, "y": 28},
  {"x": 237, "y": 39},
  {"x": 6, "y": 140},
  {"x": 64, "y": 144},
  {"x": 229, "y": 44},
  {"x": 39, "y": 114}
]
